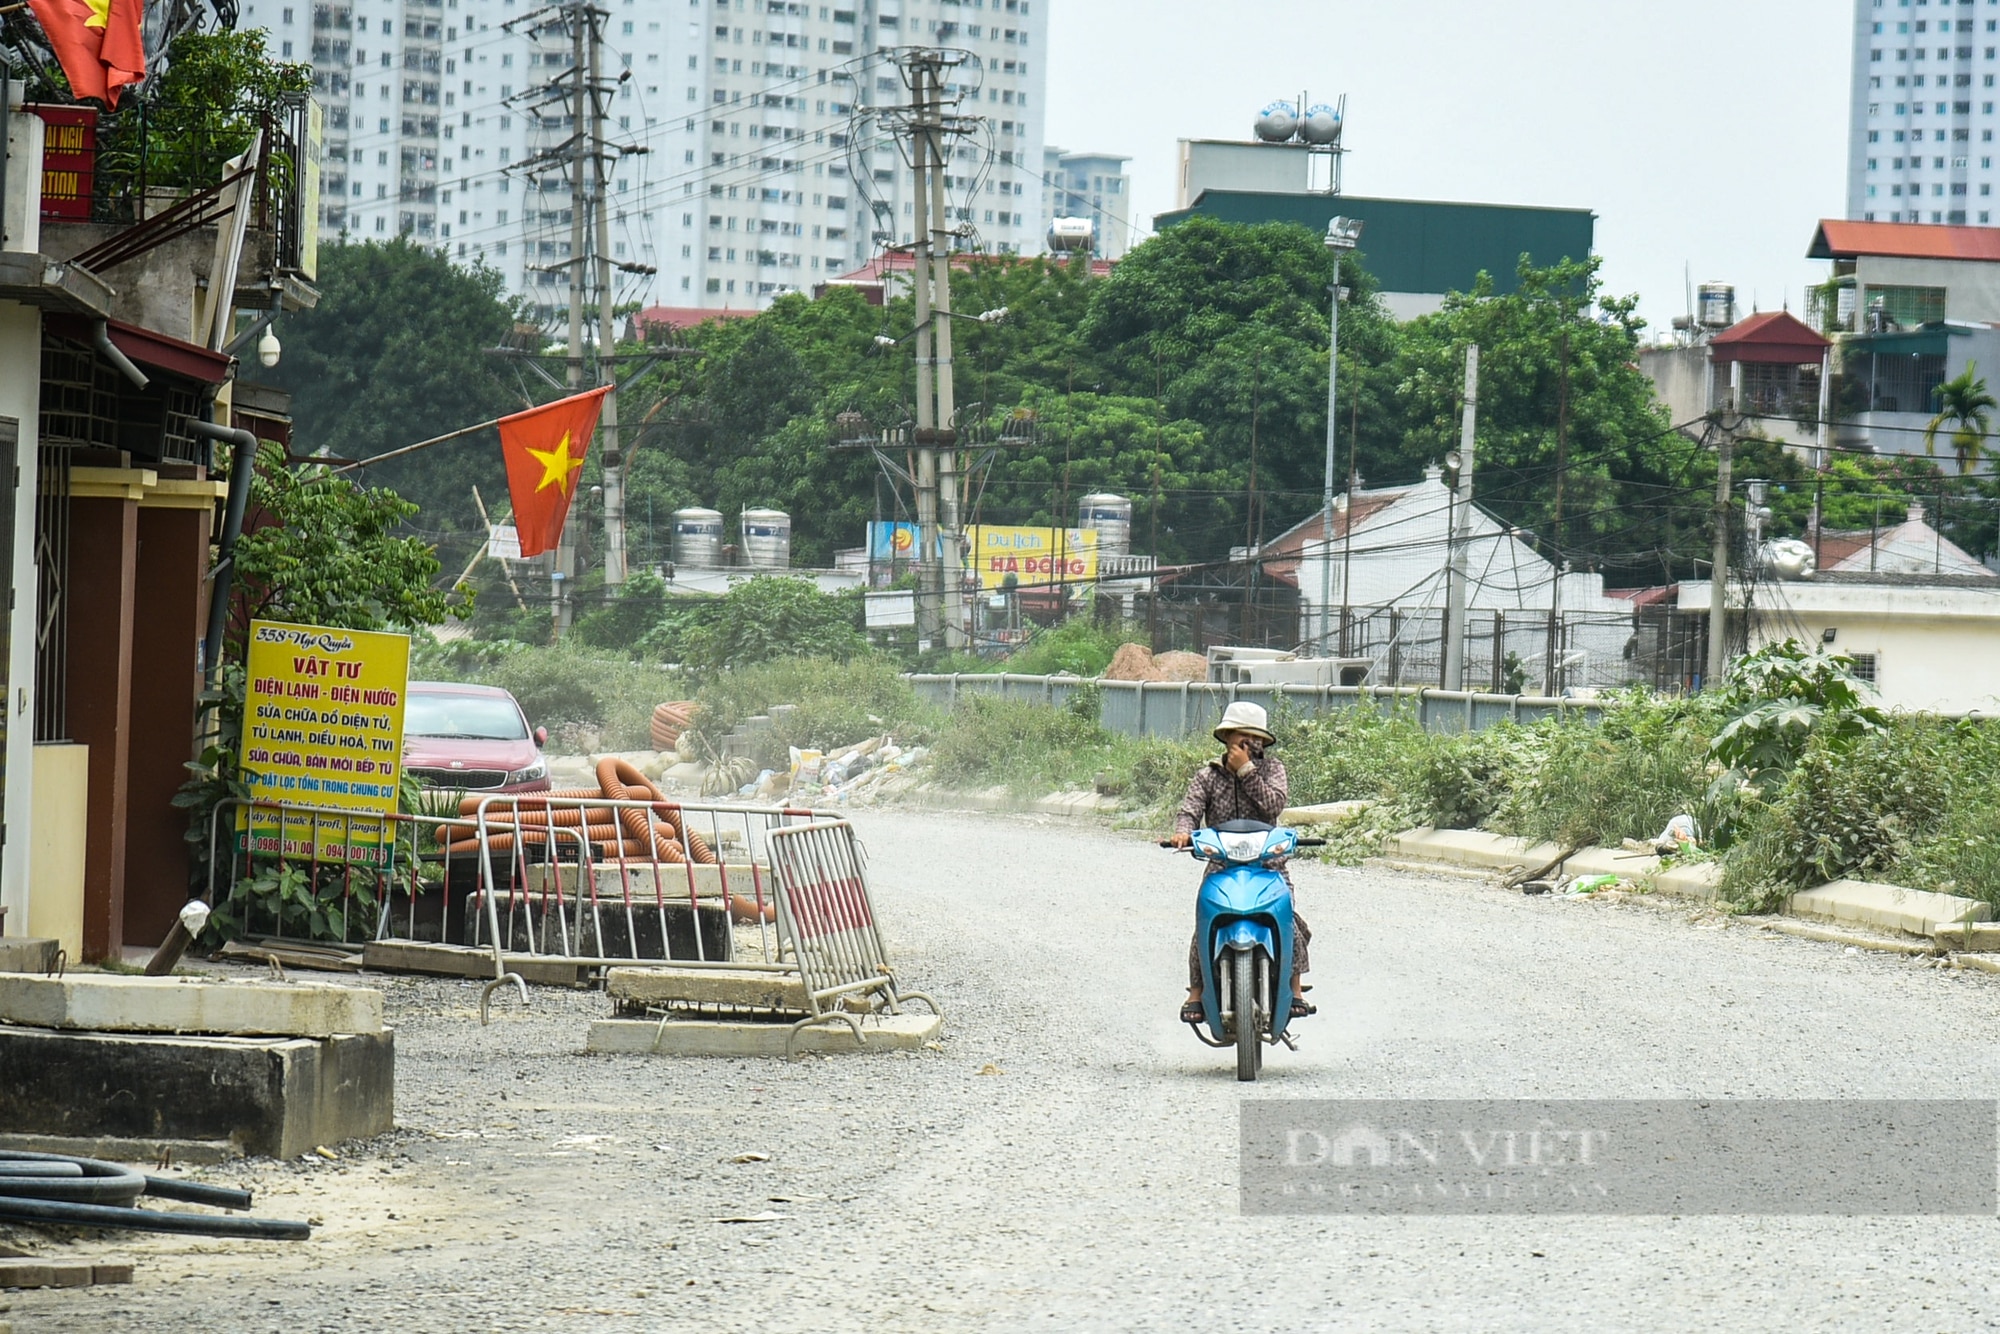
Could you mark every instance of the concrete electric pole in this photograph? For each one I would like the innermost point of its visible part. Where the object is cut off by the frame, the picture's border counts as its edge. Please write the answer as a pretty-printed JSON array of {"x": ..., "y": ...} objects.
[{"x": 1461, "y": 533}]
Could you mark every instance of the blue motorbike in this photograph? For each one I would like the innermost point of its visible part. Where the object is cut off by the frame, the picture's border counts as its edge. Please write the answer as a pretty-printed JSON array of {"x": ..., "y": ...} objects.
[{"x": 1243, "y": 930}]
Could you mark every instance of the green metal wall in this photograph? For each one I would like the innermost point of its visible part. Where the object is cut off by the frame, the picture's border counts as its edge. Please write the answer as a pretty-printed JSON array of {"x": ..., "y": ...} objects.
[{"x": 1414, "y": 245}]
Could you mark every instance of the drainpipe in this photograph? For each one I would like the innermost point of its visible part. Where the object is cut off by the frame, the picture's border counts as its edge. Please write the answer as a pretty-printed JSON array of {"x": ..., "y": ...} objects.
[
  {"x": 100, "y": 337},
  {"x": 241, "y": 465}
]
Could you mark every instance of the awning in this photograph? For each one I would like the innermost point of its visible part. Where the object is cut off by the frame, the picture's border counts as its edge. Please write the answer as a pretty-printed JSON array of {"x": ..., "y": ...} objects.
[
  {"x": 190, "y": 361},
  {"x": 1932, "y": 340}
]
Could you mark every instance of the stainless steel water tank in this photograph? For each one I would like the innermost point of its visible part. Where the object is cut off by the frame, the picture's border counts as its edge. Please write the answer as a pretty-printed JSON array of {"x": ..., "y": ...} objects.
[
  {"x": 1715, "y": 305},
  {"x": 1277, "y": 122},
  {"x": 1111, "y": 516},
  {"x": 698, "y": 538},
  {"x": 767, "y": 539}
]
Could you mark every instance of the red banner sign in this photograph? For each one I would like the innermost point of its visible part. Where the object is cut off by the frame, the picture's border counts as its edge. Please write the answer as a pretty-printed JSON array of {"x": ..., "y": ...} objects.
[{"x": 69, "y": 160}]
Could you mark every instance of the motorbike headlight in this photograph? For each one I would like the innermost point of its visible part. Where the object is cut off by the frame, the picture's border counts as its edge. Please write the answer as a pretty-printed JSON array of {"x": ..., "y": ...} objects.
[
  {"x": 1243, "y": 847},
  {"x": 534, "y": 772}
]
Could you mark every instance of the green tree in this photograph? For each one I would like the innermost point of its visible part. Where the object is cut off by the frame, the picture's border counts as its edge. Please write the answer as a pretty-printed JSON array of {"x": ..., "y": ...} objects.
[
  {"x": 1966, "y": 409},
  {"x": 1566, "y": 418},
  {"x": 396, "y": 352}
]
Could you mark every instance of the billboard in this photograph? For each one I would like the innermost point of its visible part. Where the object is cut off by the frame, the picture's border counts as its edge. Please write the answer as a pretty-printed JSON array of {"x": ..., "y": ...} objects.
[
  {"x": 1032, "y": 555},
  {"x": 323, "y": 729}
]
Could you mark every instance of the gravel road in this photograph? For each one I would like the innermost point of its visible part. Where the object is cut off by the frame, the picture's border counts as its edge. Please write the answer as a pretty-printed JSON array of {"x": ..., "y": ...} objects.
[{"x": 1068, "y": 1159}]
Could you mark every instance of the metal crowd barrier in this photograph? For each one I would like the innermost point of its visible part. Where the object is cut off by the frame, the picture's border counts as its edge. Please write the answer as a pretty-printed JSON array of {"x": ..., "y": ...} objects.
[
  {"x": 601, "y": 882},
  {"x": 369, "y": 900},
  {"x": 825, "y": 914}
]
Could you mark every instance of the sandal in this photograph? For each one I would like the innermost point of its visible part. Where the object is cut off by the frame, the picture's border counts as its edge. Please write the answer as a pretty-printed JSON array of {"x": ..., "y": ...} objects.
[
  {"x": 1300, "y": 1009},
  {"x": 1191, "y": 1013}
]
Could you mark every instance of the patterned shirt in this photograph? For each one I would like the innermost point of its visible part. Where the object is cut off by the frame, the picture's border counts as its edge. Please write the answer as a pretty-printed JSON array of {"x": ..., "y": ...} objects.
[{"x": 1216, "y": 795}]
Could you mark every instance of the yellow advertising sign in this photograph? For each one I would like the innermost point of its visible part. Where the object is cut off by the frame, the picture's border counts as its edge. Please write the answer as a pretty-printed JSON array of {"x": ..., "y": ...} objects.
[
  {"x": 323, "y": 728},
  {"x": 1033, "y": 555}
]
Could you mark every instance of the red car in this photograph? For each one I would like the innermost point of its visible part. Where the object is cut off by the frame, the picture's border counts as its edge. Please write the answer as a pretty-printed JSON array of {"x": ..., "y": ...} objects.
[{"x": 471, "y": 739}]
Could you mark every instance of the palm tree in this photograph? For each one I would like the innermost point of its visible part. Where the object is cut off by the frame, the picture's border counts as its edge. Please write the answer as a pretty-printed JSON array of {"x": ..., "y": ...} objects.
[{"x": 1965, "y": 408}]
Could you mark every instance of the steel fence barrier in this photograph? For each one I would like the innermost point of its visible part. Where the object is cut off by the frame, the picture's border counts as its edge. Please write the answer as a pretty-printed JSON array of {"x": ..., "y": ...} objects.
[{"x": 826, "y": 916}]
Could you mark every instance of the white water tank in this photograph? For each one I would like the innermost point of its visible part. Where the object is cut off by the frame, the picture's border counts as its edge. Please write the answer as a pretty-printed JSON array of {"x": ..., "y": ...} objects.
[
  {"x": 1070, "y": 235},
  {"x": 1321, "y": 125},
  {"x": 1278, "y": 122},
  {"x": 697, "y": 541},
  {"x": 1111, "y": 516},
  {"x": 767, "y": 539}
]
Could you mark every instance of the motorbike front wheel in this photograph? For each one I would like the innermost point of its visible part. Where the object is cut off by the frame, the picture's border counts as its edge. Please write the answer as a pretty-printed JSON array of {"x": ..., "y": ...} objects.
[{"x": 1243, "y": 1000}]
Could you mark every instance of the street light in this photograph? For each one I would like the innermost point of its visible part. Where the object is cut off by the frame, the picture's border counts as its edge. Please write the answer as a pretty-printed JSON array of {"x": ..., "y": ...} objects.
[{"x": 1342, "y": 235}]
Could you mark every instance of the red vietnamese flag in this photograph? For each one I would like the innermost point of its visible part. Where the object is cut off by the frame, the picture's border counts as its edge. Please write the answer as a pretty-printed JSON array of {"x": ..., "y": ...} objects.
[
  {"x": 98, "y": 43},
  {"x": 544, "y": 449}
]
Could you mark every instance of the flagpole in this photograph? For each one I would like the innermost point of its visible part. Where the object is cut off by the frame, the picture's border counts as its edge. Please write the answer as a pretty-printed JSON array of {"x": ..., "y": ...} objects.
[{"x": 421, "y": 444}]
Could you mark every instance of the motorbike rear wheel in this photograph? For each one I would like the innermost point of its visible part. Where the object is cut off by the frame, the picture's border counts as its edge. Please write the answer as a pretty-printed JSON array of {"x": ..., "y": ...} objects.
[{"x": 1243, "y": 1000}]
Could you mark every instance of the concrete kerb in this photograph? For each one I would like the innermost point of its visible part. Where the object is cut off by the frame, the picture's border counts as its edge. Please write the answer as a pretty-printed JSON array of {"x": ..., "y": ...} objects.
[
  {"x": 115, "y": 1003},
  {"x": 1941, "y": 921}
]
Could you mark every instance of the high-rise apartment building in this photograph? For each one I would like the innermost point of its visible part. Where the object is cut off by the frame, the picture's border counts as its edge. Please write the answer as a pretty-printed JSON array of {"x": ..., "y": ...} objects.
[
  {"x": 1094, "y": 186},
  {"x": 759, "y": 166},
  {"x": 1921, "y": 123}
]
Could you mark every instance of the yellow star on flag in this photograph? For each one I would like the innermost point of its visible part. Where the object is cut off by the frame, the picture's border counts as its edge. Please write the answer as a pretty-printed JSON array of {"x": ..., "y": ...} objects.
[{"x": 557, "y": 465}]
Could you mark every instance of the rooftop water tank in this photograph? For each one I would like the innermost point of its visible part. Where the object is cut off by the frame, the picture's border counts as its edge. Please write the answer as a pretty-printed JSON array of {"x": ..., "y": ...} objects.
[
  {"x": 1321, "y": 125},
  {"x": 1278, "y": 122},
  {"x": 697, "y": 541},
  {"x": 1715, "y": 305},
  {"x": 1071, "y": 234},
  {"x": 767, "y": 539},
  {"x": 1111, "y": 516}
]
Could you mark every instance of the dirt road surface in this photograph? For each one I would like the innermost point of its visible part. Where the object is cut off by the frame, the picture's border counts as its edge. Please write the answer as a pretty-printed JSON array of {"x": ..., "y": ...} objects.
[{"x": 1068, "y": 1159}]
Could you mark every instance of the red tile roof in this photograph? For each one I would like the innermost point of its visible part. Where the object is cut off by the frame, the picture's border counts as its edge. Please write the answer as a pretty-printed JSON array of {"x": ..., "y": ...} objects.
[
  {"x": 685, "y": 317},
  {"x": 1775, "y": 337},
  {"x": 1838, "y": 239}
]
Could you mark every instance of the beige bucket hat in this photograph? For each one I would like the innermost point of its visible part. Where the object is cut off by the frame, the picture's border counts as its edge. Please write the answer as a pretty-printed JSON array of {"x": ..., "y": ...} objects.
[{"x": 1243, "y": 716}]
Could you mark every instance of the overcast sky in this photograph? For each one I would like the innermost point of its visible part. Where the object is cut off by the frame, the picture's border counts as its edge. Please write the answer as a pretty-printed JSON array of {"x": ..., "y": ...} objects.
[{"x": 1708, "y": 134}]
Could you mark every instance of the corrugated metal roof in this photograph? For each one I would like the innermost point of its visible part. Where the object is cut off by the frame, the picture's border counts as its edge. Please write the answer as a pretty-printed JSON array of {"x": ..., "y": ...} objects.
[{"x": 1419, "y": 245}]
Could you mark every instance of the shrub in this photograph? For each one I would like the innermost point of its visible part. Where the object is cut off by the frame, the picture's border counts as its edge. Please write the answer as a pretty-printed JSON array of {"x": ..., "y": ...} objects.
[
  {"x": 1848, "y": 808},
  {"x": 1078, "y": 646},
  {"x": 1030, "y": 748},
  {"x": 762, "y": 619},
  {"x": 1579, "y": 783}
]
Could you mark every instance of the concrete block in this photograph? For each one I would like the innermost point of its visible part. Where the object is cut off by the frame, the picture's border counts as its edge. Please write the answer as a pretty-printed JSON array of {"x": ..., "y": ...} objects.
[
  {"x": 28, "y": 954},
  {"x": 411, "y": 956},
  {"x": 112, "y": 1003},
  {"x": 111, "y": 1273},
  {"x": 70, "y": 1276},
  {"x": 1977, "y": 937},
  {"x": 1469, "y": 847},
  {"x": 758, "y": 990},
  {"x": 1701, "y": 881},
  {"x": 279, "y": 1097},
  {"x": 701, "y": 1037},
  {"x": 1886, "y": 907},
  {"x": 1076, "y": 805},
  {"x": 1326, "y": 812},
  {"x": 1636, "y": 866},
  {"x": 26, "y": 1274}
]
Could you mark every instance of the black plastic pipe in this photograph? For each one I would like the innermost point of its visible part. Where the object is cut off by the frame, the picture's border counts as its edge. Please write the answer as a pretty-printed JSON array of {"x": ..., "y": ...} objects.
[
  {"x": 242, "y": 464},
  {"x": 149, "y": 1220},
  {"x": 194, "y": 1192}
]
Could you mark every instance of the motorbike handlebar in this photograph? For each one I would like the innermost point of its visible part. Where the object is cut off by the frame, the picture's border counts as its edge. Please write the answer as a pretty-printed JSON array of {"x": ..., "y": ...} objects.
[{"x": 1303, "y": 843}]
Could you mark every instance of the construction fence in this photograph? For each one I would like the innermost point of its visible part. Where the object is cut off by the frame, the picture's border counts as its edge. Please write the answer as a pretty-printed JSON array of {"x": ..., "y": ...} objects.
[{"x": 1175, "y": 709}]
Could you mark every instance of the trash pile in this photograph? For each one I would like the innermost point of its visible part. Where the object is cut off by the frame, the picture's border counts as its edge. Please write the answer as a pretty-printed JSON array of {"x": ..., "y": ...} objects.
[{"x": 861, "y": 770}]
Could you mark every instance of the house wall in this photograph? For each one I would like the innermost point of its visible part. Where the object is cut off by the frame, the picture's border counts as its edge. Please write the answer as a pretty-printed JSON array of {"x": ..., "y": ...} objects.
[
  {"x": 20, "y": 403},
  {"x": 1680, "y": 379},
  {"x": 1971, "y": 287},
  {"x": 1933, "y": 646}
]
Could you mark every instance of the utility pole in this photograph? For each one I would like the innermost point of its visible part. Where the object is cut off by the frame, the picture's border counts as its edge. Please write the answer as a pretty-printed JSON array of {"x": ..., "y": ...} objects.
[
  {"x": 1718, "y": 575},
  {"x": 1454, "y": 614},
  {"x": 577, "y": 16},
  {"x": 939, "y": 478},
  {"x": 607, "y": 334}
]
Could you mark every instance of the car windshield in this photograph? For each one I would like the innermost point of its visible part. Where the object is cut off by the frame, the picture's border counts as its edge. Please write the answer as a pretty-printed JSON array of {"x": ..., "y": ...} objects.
[{"x": 463, "y": 717}]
